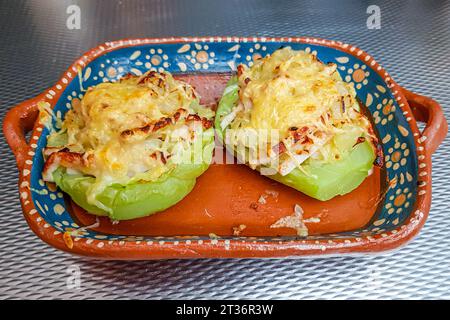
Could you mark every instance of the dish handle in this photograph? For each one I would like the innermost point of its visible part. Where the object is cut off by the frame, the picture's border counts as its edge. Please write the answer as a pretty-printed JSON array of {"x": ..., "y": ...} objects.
[
  {"x": 17, "y": 123},
  {"x": 429, "y": 111}
]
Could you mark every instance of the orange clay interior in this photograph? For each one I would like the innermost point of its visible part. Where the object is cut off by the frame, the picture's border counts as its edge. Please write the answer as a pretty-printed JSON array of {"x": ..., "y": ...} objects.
[{"x": 226, "y": 196}]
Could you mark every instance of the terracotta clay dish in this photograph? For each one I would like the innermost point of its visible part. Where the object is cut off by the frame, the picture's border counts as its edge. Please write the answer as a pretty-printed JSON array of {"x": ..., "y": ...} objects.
[{"x": 222, "y": 216}]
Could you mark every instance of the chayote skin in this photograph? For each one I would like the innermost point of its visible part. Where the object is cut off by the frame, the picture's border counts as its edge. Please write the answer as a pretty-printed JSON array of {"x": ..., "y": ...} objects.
[{"x": 323, "y": 181}]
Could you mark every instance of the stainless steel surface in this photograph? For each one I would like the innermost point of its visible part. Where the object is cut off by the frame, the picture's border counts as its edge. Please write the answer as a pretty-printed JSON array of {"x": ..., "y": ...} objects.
[{"x": 36, "y": 47}]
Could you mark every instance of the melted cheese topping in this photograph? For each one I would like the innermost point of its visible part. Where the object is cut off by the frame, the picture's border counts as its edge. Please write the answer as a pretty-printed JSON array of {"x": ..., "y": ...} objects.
[
  {"x": 131, "y": 130},
  {"x": 111, "y": 108},
  {"x": 304, "y": 100},
  {"x": 291, "y": 89}
]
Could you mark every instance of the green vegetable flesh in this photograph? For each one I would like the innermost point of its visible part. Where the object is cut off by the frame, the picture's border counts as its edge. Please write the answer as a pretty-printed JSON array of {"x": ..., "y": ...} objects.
[
  {"x": 227, "y": 102},
  {"x": 318, "y": 180},
  {"x": 327, "y": 180}
]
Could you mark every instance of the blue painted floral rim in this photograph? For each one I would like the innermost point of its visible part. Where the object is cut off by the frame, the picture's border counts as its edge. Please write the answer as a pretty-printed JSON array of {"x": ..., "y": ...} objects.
[{"x": 401, "y": 213}]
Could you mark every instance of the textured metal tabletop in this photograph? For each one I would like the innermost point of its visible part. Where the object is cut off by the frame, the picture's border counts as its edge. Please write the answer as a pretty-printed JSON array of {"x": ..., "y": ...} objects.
[{"x": 36, "y": 47}]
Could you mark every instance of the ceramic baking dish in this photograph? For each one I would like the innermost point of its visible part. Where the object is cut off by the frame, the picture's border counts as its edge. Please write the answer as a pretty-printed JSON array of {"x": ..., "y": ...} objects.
[{"x": 387, "y": 210}]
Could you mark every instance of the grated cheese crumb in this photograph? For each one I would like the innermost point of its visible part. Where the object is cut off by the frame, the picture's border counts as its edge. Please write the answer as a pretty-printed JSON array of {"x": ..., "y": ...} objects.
[
  {"x": 92, "y": 226},
  {"x": 312, "y": 220},
  {"x": 262, "y": 199},
  {"x": 238, "y": 230},
  {"x": 294, "y": 221},
  {"x": 272, "y": 193}
]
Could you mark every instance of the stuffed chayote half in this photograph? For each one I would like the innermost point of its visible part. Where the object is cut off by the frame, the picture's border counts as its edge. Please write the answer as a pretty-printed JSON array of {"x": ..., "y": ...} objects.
[
  {"x": 131, "y": 148},
  {"x": 293, "y": 118}
]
